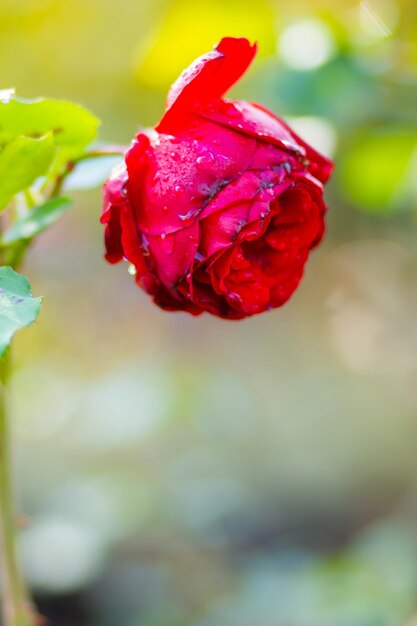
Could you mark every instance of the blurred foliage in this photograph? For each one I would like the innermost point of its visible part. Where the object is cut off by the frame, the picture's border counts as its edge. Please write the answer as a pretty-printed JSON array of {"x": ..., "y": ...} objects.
[
  {"x": 22, "y": 161},
  {"x": 17, "y": 306},
  {"x": 198, "y": 30},
  {"x": 41, "y": 143},
  {"x": 71, "y": 126},
  {"x": 35, "y": 221},
  {"x": 185, "y": 472},
  {"x": 380, "y": 168}
]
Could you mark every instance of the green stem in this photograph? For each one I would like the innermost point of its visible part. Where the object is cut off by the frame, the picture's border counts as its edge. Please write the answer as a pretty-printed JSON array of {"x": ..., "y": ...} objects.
[
  {"x": 88, "y": 154},
  {"x": 16, "y": 606}
]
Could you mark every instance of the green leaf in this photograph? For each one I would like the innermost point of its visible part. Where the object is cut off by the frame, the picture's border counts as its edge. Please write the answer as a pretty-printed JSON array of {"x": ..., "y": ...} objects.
[
  {"x": 17, "y": 306},
  {"x": 21, "y": 162},
  {"x": 72, "y": 126},
  {"x": 38, "y": 220},
  {"x": 91, "y": 173}
]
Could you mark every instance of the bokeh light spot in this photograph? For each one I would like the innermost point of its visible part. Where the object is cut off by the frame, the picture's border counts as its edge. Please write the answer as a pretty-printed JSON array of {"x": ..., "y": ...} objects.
[{"x": 306, "y": 44}]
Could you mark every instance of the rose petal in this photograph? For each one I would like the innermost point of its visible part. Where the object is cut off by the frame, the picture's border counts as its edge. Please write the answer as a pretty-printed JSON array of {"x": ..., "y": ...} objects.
[
  {"x": 281, "y": 293},
  {"x": 173, "y": 254},
  {"x": 247, "y": 118},
  {"x": 182, "y": 177},
  {"x": 113, "y": 199},
  {"x": 113, "y": 236},
  {"x": 208, "y": 77},
  {"x": 136, "y": 159},
  {"x": 320, "y": 166},
  {"x": 238, "y": 192}
]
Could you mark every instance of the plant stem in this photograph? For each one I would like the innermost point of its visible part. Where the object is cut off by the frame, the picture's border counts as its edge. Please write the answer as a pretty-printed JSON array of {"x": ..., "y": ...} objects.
[
  {"x": 16, "y": 606},
  {"x": 104, "y": 151}
]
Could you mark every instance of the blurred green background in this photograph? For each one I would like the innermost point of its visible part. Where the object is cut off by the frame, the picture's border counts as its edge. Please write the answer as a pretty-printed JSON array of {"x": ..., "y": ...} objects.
[{"x": 194, "y": 472}]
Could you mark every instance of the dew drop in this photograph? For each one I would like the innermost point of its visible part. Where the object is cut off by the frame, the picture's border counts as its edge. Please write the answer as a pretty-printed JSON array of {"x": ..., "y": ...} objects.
[
  {"x": 132, "y": 270},
  {"x": 205, "y": 161},
  {"x": 187, "y": 216},
  {"x": 234, "y": 298},
  {"x": 167, "y": 244},
  {"x": 233, "y": 111}
]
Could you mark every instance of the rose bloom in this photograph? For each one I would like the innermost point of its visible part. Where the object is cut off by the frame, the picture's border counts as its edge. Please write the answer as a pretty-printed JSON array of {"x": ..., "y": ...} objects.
[{"x": 218, "y": 207}]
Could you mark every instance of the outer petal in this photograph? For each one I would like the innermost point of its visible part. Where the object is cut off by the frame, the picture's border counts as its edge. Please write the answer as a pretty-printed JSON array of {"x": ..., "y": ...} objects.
[
  {"x": 137, "y": 165},
  {"x": 113, "y": 200},
  {"x": 249, "y": 119},
  {"x": 122, "y": 239},
  {"x": 320, "y": 166},
  {"x": 209, "y": 77},
  {"x": 173, "y": 254},
  {"x": 255, "y": 120},
  {"x": 182, "y": 176}
]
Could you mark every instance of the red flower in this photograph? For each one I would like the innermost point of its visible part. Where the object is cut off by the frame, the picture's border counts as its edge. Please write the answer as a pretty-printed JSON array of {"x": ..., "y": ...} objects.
[{"x": 218, "y": 207}]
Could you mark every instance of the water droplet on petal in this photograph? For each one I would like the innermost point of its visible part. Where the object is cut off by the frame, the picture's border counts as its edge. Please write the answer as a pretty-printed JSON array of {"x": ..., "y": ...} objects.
[
  {"x": 234, "y": 298},
  {"x": 132, "y": 270},
  {"x": 205, "y": 161},
  {"x": 187, "y": 216},
  {"x": 233, "y": 111},
  {"x": 167, "y": 244}
]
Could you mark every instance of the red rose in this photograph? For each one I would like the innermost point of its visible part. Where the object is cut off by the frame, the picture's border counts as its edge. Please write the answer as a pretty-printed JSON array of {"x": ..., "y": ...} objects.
[{"x": 218, "y": 207}]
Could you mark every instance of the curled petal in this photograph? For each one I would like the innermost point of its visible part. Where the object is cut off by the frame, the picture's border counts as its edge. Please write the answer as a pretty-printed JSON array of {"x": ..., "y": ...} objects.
[
  {"x": 320, "y": 166},
  {"x": 208, "y": 77}
]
